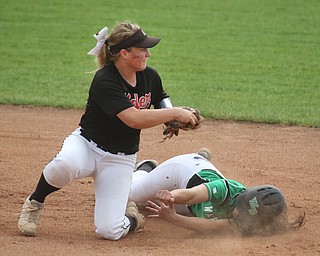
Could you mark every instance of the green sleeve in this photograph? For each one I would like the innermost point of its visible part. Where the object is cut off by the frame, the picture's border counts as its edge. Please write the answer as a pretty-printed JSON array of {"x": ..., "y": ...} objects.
[{"x": 217, "y": 191}]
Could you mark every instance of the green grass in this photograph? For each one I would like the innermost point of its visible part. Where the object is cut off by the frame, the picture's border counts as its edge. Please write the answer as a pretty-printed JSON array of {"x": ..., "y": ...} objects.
[{"x": 239, "y": 60}]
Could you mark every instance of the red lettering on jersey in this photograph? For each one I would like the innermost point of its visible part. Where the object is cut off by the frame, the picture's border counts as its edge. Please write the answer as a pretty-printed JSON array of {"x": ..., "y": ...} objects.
[{"x": 142, "y": 102}]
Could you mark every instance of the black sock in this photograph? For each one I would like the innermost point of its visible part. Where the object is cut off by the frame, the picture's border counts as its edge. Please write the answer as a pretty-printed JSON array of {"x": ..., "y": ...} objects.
[
  {"x": 133, "y": 223},
  {"x": 146, "y": 167},
  {"x": 43, "y": 189}
]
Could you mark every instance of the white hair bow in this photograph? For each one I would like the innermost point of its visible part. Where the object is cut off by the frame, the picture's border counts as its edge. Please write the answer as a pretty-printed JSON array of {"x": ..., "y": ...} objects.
[{"x": 101, "y": 37}]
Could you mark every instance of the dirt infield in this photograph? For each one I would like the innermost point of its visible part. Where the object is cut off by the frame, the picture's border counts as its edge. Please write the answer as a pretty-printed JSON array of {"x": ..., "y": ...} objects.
[{"x": 287, "y": 157}]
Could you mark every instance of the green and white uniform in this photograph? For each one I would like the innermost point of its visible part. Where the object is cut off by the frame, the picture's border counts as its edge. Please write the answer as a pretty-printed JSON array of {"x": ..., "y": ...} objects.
[
  {"x": 221, "y": 194},
  {"x": 185, "y": 171}
]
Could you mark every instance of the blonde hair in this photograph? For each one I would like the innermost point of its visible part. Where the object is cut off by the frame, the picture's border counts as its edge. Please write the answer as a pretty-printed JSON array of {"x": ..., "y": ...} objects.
[
  {"x": 277, "y": 225},
  {"x": 120, "y": 32},
  {"x": 282, "y": 224}
]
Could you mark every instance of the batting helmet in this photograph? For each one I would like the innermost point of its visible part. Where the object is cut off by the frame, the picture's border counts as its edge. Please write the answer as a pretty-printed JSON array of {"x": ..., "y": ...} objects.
[{"x": 259, "y": 206}]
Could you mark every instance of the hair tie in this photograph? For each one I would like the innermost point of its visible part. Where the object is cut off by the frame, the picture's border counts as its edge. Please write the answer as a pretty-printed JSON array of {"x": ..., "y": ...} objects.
[{"x": 101, "y": 37}]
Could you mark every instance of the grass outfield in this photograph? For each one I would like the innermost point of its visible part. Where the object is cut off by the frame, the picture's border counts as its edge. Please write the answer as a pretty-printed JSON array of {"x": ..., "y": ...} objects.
[{"x": 239, "y": 60}]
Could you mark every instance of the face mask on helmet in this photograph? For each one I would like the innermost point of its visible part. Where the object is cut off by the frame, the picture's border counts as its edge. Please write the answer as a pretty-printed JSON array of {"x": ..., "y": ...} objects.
[{"x": 258, "y": 206}]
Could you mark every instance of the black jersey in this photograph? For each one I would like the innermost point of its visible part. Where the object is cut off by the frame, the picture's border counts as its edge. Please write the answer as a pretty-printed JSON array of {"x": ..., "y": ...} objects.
[{"x": 110, "y": 94}]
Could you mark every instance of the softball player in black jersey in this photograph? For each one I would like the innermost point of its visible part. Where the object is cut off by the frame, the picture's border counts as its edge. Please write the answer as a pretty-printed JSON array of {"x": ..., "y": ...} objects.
[{"x": 105, "y": 145}]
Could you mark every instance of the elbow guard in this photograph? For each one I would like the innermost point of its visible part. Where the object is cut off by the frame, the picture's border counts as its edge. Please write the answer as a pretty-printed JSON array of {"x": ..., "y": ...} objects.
[{"x": 165, "y": 103}]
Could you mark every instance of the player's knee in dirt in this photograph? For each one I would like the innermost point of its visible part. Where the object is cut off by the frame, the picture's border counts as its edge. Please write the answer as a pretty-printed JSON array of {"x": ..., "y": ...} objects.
[{"x": 109, "y": 232}]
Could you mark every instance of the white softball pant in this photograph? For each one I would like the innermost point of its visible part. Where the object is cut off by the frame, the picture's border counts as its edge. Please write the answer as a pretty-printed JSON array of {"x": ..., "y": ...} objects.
[
  {"x": 112, "y": 173},
  {"x": 171, "y": 174}
]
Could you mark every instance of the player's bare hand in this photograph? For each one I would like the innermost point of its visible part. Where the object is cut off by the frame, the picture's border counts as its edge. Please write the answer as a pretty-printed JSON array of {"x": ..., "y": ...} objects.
[
  {"x": 165, "y": 196},
  {"x": 162, "y": 211},
  {"x": 186, "y": 116}
]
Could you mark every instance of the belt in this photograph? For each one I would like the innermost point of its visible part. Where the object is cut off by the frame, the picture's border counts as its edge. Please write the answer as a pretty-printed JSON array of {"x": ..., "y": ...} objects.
[{"x": 100, "y": 146}]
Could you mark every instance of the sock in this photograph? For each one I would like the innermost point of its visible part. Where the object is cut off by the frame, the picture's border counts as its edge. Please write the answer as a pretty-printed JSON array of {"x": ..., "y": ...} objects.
[
  {"x": 133, "y": 223},
  {"x": 43, "y": 189},
  {"x": 146, "y": 167}
]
